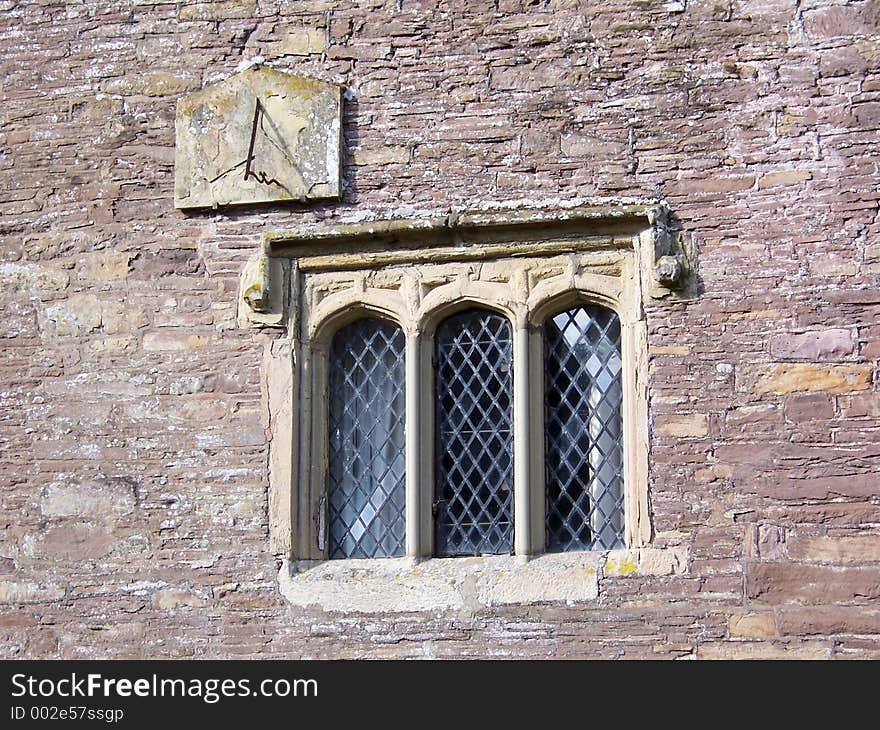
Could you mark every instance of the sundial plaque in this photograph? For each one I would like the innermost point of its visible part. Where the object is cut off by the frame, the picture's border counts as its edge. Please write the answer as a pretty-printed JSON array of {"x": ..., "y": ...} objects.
[{"x": 260, "y": 136}]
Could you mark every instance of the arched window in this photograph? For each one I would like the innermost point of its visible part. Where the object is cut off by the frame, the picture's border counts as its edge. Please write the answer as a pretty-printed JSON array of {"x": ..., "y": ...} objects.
[
  {"x": 473, "y": 497},
  {"x": 366, "y": 441},
  {"x": 583, "y": 430}
]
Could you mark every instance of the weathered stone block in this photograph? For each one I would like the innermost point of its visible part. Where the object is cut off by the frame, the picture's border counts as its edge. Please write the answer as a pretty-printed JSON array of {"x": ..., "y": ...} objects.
[
  {"x": 684, "y": 426},
  {"x": 20, "y": 277},
  {"x": 867, "y": 114},
  {"x": 712, "y": 184},
  {"x": 70, "y": 542},
  {"x": 830, "y": 344},
  {"x": 646, "y": 561},
  {"x": 835, "y": 514},
  {"x": 29, "y": 592},
  {"x": 104, "y": 266},
  {"x": 76, "y": 316},
  {"x": 152, "y": 83},
  {"x": 809, "y": 407},
  {"x": 751, "y": 419},
  {"x": 842, "y": 62},
  {"x": 751, "y": 626},
  {"x": 799, "y": 582},
  {"x": 831, "y": 487},
  {"x": 762, "y": 650},
  {"x": 771, "y": 542},
  {"x": 260, "y": 136},
  {"x": 854, "y": 549},
  {"x": 585, "y": 145},
  {"x": 783, "y": 378},
  {"x": 217, "y": 10},
  {"x": 381, "y": 156},
  {"x": 840, "y": 20},
  {"x": 93, "y": 499},
  {"x": 301, "y": 42},
  {"x": 677, "y": 350},
  {"x": 171, "y": 598},
  {"x": 860, "y": 406},
  {"x": 825, "y": 620},
  {"x": 786, "y": 178},
  {"x": 395, "y": 585},
  {"x": 174, "y": 339}
]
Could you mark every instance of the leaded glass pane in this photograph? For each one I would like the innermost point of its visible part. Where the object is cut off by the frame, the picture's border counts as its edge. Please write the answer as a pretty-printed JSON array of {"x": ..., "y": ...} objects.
[
  {"x": 366, "y": 441},
  {"x": 583, "y": 430},
  {"x": 474, "y": 435}
]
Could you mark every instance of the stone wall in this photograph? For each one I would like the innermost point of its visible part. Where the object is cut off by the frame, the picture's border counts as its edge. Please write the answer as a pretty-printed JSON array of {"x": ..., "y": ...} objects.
[{"x": 133, "y": 430}]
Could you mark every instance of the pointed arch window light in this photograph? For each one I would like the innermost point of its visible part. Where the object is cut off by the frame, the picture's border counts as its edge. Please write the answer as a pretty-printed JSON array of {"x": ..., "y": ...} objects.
[
  {"x": 583, "y": 430},
  {"x": 474, "y": 434},
  {"x": 366, "y": 464}
]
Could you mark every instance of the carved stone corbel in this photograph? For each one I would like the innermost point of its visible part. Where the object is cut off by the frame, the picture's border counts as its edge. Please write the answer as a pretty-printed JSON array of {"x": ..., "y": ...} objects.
[{"x": 263, "y": 292}]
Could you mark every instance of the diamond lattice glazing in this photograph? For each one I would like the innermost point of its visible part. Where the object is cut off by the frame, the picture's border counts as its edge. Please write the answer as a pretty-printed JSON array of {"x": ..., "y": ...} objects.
[
  {"x": 474, "y": 381},
  {"x": 583, "y": 433},
  {"x": 367, "y": 441}
]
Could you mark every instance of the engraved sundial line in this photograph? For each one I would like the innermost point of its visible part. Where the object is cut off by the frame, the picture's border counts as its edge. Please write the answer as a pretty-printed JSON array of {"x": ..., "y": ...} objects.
[
  {"x": 259, "y": 114},
  {"x": 226, "y": 172},
  {"x": 276, "y": 139},
  {"x": 259, "y": 176}
]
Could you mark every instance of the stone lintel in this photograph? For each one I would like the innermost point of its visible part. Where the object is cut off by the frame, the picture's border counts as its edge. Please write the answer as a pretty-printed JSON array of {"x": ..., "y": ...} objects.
[{"x": 471, "y": 225}]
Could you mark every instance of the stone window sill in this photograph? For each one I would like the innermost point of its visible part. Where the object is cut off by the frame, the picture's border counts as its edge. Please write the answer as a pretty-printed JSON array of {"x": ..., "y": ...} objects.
[{"x": 400, "y": 585}]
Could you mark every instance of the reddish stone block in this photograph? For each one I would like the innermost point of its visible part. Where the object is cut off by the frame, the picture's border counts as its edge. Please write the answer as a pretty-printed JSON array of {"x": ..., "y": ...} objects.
[
  {"x": 797, "y": 582},
  {"x": 833, "y": 514},
  {"x": 827, "y": 620},
  {"x": 838, "y": 20},
  {"x": 808, "y": 407},
  {"x": 821, "y": 345}
]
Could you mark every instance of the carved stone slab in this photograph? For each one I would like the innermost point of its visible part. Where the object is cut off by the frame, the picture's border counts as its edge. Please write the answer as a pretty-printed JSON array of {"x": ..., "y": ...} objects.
[{"x": 259, "y": 136}]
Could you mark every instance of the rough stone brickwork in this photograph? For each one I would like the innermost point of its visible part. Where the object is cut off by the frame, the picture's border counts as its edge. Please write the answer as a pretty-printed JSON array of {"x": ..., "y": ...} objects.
[{"x": 133, "y": 434}]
